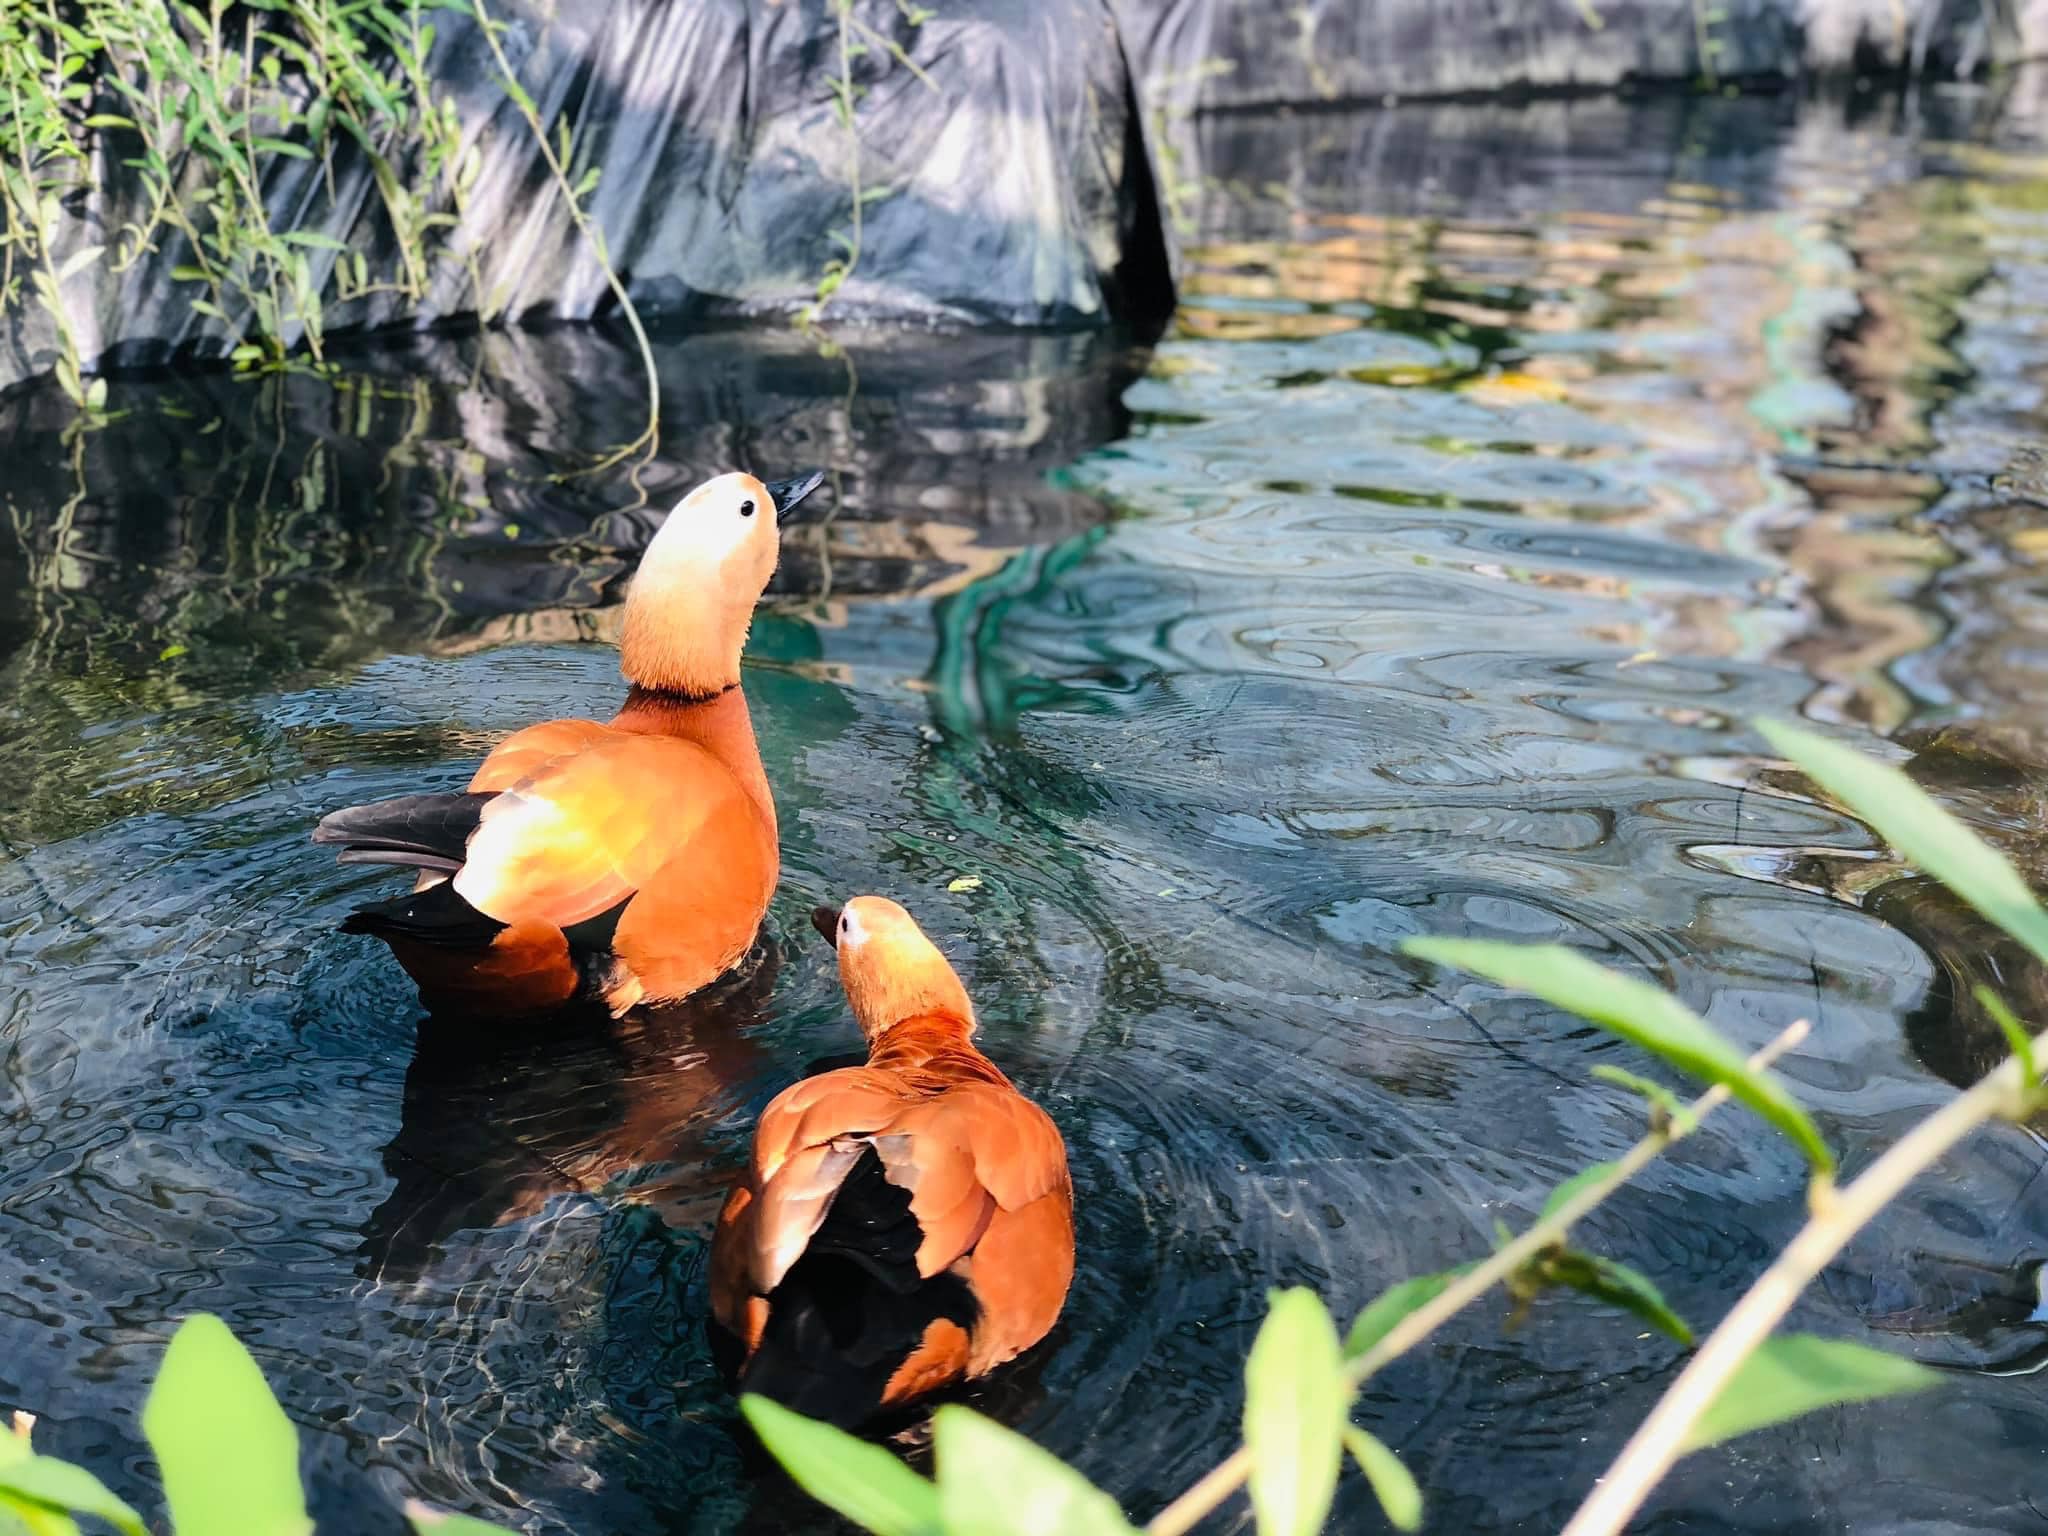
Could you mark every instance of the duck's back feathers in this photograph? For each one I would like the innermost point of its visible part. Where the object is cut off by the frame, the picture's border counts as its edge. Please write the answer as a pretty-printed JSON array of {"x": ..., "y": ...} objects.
[
  {"x": 930, "y": 1173},
  {"x": 853, "y": 1308}
]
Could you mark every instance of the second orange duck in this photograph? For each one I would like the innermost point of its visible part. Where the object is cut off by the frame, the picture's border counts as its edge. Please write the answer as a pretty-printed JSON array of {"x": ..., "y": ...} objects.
[
  {"x": 904, "y": 1225},
  {"x": 630, "y": 861}
]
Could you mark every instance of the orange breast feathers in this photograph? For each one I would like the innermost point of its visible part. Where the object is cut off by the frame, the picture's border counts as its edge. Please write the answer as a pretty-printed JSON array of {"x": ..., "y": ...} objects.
[{"x": 985, "y": 1170}]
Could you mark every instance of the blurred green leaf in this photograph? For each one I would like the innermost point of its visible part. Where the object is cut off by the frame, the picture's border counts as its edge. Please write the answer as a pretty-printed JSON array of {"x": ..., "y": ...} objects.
[
  {"x": 1908, "y": 818},
  {"x": 61, "y": 1486},
  {"x": 1296, "y": 1400},
  {"x": 229, "y": 1455},
  {"x": 18, "y": 1517},
  {"x": 1646, "y": 1015},
  {"x": 861, "y": 1481},
  {"x": 427, "y": 1521},
  {"x": 1570, "y": 1188},
  {"x": 1796, "y": 1373},
  {"x": 1617, "y": 1285},
  {"x": 1378, "y": 1320},
  {"x": 2016, "y": 1037},
  {"x": 994, "y": 1482},
  {"x": 1391, "y": 1483}
]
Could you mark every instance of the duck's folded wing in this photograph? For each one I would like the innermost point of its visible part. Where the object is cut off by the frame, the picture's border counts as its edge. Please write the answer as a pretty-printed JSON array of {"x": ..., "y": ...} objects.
[
  {"x": 584, "y": 832},
  {"x": 972, "y": 1150},
  {"x": 808, "y": 1140},
  {"x": 528, "y": 751}
]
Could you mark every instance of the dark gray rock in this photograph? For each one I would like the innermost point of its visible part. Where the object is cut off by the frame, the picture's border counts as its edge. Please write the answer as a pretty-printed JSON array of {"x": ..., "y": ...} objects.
[{"x": 1040, "y": 160}]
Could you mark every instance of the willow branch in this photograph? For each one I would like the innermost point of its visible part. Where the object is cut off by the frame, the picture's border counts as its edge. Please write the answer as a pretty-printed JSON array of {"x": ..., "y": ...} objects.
[
  {"x": 1182, "y": 1515},
  {"x": 1662, "y": 1438},
  {"x": 591, "y": 233}
]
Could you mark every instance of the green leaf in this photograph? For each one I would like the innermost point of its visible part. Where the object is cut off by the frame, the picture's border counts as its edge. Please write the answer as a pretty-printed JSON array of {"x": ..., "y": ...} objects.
[
  {"x": 994, "y": 1482},
  {"x": 229, "y": 1455},
  {"x": 1662, "y": 1100},
  {"x": 1378, "y": 1320},
  {"x": 1638, "y": 1012},
  {"x": 1391, "y": 1483},
  {"x": 2016, "y": 1036},
  {"x": 1797, "y": 1373},
  {"x": 96, "y": 395},
  {"x": 1296, "y": 1400},
  {"x": 14, "y": 1442},
  {"x": 1572, "y": 1186},
  {"x": 315, "y": 239},
  {"x": 62, "y": 1486},
  {"x": 863, "y": 1482},
  {"x": 18, "y": 1517},
  {"x": 109, "y": 120},
  {"x": 1908, "y": 818},
  {"x": 432, "y": 1522},
  {"x": 1618, "y": 1286}
]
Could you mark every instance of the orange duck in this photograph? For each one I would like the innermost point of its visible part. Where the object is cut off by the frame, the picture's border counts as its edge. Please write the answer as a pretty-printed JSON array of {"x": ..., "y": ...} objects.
[
  {"x": 631, "y": 861},
  {"x": 904, "y": 1225}
]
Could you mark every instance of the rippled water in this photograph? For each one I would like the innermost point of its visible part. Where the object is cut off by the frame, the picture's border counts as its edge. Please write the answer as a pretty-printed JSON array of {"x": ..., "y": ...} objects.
[{"x": 1500, "y": 464}]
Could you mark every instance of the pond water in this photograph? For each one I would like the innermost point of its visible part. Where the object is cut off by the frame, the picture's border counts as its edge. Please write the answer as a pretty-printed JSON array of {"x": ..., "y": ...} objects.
[{"x": 1500, "y": 465}]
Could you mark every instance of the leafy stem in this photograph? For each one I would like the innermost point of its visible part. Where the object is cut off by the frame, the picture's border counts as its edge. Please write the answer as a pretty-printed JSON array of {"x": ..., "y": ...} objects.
[{"x": 1185, "y": 1512}]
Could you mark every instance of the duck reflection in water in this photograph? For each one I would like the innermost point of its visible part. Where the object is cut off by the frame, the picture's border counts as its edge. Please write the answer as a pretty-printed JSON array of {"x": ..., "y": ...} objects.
[{"x": 498, "y": 1120}]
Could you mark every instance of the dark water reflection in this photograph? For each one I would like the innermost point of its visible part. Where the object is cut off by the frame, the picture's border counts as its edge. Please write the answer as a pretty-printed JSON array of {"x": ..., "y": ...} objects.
[{"x": 1422, "y": 583}]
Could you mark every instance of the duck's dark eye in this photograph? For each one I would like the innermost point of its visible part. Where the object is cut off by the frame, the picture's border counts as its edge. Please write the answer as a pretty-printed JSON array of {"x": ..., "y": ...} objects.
[
  {"x": 746, "y": 509},
  {"x": 843, "y": 924}
]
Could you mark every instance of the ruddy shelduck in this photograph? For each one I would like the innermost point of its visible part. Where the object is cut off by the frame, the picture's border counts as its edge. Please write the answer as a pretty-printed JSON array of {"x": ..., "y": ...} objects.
[
  {"x": 904, "y": 1225},
  {"x": 630, "y": 861}
]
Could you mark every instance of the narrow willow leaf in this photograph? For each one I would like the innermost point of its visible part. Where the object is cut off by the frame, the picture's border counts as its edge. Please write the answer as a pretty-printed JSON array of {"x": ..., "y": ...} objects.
[
  {"x": 1638, "y": 1012},
  {"x": 1571, "y": 1187},
  {"x": 1908, "y": 818},
  {"x": 78, "y": 261},
  {"x": 1296, "y": 1400},
  {"x": 230, "y": 1457},
  {"x": 994, "y": 1482},
  {"x": 1391, "y": 1483},
  {"x": 2016, "y": 1036},
  {"x": 1378, "y": 1320},
  {"x": 427, "y": 1521},
  {"x": 1619, "y": 1286},
  {"x": 60, "y": 1485},
  {"x": 1797, "y": 1373},
  {"x": 863, "y": 1482}
]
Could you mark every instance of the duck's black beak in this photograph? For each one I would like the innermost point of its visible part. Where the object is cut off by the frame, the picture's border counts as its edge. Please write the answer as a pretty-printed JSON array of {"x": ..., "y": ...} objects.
[
  {"x": 826, "y": 921},
  {"x": 789, "y": 494}
]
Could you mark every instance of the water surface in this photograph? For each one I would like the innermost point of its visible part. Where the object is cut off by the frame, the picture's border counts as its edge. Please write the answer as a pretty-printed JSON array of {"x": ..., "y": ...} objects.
[{"x": 1500, "y": 465}]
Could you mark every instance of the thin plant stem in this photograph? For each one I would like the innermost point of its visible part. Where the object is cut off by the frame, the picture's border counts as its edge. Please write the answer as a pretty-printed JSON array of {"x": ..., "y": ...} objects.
[
  {"x": 1185, "y": 1512},
  {"x": 650, "y": 432},
  {"x": 1662, "y": 1438}
]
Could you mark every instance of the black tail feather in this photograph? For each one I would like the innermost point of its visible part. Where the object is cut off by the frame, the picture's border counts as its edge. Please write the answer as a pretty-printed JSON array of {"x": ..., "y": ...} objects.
[
  {"x": 411, "y": 830},
  {"x": 853, "y": 1308},
  {"x": 438, "y": 915}
]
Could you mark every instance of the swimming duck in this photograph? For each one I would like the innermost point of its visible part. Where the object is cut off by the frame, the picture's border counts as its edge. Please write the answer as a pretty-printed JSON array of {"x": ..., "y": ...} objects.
[
  {"x": 904, "y": 1225},
  {"x": 630, "y": 861}
]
